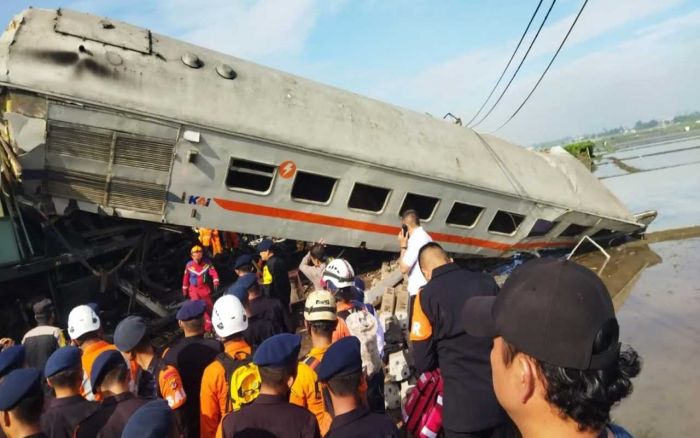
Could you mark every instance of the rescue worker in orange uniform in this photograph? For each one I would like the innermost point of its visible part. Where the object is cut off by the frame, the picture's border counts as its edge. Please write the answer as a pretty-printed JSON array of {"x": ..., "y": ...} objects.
[
  {"x": 230, "y": 322},
  {"x": 85, "y": 331},
  {"x": 199, "y": 272},
  {"x": 210, "y": 239},
  {"x": 320, "y": 320}
]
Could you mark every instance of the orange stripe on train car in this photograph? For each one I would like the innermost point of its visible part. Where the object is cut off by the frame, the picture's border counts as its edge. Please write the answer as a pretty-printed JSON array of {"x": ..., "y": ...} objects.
[{"x": 338, "y": 222}]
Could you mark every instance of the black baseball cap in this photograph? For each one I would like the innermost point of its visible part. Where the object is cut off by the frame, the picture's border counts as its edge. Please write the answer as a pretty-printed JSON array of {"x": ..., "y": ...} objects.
[{"x": 551, "y": 309}]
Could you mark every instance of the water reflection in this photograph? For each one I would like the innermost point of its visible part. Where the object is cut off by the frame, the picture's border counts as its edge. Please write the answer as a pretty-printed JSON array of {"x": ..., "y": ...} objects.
[{"x": 624, "y": 268}]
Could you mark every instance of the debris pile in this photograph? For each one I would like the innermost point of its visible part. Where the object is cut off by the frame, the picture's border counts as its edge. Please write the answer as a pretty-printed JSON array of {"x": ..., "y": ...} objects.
[{"x": 392, "y": 305}]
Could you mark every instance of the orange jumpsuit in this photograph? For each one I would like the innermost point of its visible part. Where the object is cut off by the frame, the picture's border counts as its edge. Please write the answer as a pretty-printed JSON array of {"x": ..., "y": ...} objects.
[
  {"x": 306, "y": 390},
  {"x": 215, "y": 391}
]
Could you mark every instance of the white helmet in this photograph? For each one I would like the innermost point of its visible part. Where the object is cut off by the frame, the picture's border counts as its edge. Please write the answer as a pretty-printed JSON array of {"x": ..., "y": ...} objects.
[
  {"x": 228, "y": 316},
  {"x": 320, "y": 306},
  {"x": 81, "y": 320},
  {"x": 340, "y": 273}
]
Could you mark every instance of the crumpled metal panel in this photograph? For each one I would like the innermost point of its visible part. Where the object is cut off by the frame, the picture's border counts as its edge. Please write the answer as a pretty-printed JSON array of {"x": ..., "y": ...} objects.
[
  {"x": 80, "y": 186},
  {"x": 112, "y": 32}
]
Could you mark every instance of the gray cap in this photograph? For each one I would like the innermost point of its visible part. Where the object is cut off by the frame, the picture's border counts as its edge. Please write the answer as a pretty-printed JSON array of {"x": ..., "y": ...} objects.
[{"x": 129, "y": 333}]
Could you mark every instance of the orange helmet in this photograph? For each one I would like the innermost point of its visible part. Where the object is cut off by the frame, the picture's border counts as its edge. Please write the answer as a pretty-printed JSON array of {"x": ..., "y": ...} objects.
[{"x": 196, "y": 248}]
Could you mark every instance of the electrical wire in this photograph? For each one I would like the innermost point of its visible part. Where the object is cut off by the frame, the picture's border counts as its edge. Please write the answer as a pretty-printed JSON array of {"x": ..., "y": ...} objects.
[
  {"x": 546, "y": 69},
  {"x": 522, "y": 37},
  {"x": 532, "y": 43}
]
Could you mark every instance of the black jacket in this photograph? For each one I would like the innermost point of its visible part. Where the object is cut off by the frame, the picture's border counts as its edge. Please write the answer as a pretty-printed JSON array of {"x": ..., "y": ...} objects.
[
  {"x": 439, "y": 341},
  {"x": 280, "y": 287},
  {"x": 270, "y": 416},
  {"x": 191, "y": 356},
  {"x": 111, "y": 418},
  {"x": 362, "y": 423},
  {"x": 62, "y": 415}
]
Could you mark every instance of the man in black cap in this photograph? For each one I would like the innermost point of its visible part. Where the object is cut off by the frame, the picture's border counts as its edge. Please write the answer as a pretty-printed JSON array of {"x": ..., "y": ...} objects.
[
  {"x": 243, "y": 265},
  {"x": 342, "y": 376},
  {"x": 64, "y": 373},
  {"x": 271, "y": 414},
  {"x": 156, "y": 378},
  {"x": 558, "y": 367},
  {"x": 275, "y": 277},
  {"x": 43, "y": 339},
  {"x": 191, "y": 355},
  {"x": 21, "y": 403},
  {"x": 110, "y": 378},
  {"x": 470, "y": 406}
]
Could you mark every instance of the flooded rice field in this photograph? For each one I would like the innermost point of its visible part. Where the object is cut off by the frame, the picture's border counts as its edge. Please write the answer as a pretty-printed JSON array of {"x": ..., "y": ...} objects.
[
  {"x": 656, "y": 287},
  {"x": 660, "y": 176}
]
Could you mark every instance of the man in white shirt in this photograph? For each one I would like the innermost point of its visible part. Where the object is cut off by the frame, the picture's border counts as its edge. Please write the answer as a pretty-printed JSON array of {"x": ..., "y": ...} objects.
[{"x": 410, "y": 242}]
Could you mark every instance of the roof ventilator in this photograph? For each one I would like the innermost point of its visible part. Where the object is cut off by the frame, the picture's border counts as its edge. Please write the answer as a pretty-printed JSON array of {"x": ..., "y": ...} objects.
[
  {"x": 226, "y": 71},
  {"x": 191, "y": 60}
]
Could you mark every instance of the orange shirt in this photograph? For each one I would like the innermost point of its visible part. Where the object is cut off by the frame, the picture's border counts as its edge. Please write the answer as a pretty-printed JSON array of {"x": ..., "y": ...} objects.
[
  {"x": 90, "y": 353},
  {"x": 306, "y": 391},
  {"x": 341, "y": 330},
  {"x": 215, "y": 391}
]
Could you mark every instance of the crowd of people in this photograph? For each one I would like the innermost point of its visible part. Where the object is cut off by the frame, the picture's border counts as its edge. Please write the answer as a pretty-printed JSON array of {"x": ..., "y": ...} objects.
[{"x": 539, "y": 356}]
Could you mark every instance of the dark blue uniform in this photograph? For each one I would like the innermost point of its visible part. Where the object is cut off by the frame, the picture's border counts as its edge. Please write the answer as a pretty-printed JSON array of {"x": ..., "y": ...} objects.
[
  {"x": 63, "y": 415},
  {"x": 111, "y": 418},
  {"x": 191, "y": 356},
  {"x": 270, "y": 416},
  {"x": 439, "y": 340},
  {"x": 362, "y": 423}
]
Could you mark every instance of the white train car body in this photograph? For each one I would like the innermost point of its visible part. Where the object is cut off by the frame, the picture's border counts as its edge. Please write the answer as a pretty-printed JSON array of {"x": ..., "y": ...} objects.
[{"x": 129, "y": 123}]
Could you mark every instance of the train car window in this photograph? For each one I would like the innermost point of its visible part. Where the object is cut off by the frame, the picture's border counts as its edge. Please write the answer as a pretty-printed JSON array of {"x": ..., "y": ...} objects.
[
  {"x": 424, "y": 205},
  {"x": 250, "y": 175},
  {"x": 603, "y": 233},
  {"x": 368, "y": 198},
  {"x": 506, "y": 222},
  {"x": 573, "y": 230},
  {"x": 312, "y": 187},
  {"x": 541, "y": 227},
  {"x": 464, "y": 215}
]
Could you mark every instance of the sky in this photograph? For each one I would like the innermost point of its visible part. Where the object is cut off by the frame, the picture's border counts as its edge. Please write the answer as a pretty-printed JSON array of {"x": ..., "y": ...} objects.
[{"x": 626, "y": 60}]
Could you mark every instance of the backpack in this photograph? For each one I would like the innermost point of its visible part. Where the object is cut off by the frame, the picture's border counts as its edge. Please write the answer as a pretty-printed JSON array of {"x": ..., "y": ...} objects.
[
  {"x": 422, "y": 412},
  {"x": 243, "y": 377},
  {"x": 362, "y": 324}
]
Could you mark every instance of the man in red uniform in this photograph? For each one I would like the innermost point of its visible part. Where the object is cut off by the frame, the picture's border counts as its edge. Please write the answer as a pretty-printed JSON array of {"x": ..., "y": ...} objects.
[{"x": 195, "y": 282}]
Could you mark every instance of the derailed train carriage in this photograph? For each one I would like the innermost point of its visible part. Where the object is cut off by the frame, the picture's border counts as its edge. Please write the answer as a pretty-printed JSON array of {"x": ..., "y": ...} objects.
[{"x": 108, "y": 118}]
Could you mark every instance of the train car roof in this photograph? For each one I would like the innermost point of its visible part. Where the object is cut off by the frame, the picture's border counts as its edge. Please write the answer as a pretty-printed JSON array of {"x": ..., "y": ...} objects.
[{"x": 89, "y": 59}]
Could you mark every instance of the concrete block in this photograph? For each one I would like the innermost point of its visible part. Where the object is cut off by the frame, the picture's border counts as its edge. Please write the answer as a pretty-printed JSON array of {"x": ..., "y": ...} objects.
[
  {"x": 392, "y": 395},
  {"x": 388, "y": 301},
  {"x": 398, "y": 366}
]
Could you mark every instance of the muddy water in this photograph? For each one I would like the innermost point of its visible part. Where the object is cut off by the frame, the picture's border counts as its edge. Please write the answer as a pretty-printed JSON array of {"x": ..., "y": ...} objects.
[{"x": 656, "y": 291}]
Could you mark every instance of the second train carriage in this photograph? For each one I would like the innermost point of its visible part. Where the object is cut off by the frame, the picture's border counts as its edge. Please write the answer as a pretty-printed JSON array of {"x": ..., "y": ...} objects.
[{"x": 117, "y": 120}]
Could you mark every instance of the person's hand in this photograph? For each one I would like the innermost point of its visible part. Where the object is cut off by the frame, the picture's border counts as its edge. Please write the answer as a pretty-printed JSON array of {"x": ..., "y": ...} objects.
[
  {"x": 322, "y": 242},
  {"x": 403, "y": 240},
  {"x": 5, "y": 343}
]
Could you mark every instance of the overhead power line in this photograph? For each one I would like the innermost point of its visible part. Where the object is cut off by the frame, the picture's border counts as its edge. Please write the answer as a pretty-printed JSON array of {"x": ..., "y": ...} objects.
[
  {"x": 522, "y": 37},
  {"x": 515, "y": 73},
  {"x": 583, "y": 6}
]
